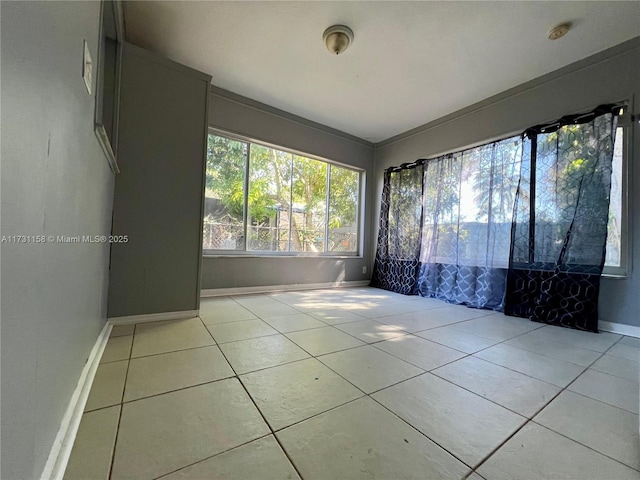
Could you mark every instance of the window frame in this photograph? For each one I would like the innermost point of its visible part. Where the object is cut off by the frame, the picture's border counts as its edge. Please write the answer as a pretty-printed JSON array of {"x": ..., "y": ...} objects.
[
  {"x": 109, "y": 143},
  {"x": 622, "y": 271},
  {"x": 244, "y": 252},
  {"x": 625, "y": 121}
]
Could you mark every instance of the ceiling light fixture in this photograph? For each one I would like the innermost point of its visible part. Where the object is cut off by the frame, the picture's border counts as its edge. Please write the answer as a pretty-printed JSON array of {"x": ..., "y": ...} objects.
[
  {"x": 559, "y": 31},
  {"x": 337, "y": 38}
]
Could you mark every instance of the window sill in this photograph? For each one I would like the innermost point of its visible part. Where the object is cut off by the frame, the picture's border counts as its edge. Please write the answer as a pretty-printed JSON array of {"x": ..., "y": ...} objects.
[
  {"x": 615, "y": 276},
  {"x": 258, "y": 255}
]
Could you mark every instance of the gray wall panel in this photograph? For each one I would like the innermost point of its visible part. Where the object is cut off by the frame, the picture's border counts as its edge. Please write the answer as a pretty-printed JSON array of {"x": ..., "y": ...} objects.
[
  {"x": 55, "y": 181},
  {"x": 158, "y": 195},
  {"x": 606, "y": 77},
  {"x": 261, "y": 271}
]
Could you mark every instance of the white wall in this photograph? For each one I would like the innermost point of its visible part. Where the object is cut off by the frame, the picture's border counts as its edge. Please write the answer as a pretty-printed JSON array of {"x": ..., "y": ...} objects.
[
  {"x": 607, "y": 77},
  {"x": 55, "y": 181}
]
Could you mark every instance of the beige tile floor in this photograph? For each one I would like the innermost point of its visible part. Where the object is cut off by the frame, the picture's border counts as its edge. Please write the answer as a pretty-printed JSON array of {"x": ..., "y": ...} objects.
[{"x": 359, "y": 383}]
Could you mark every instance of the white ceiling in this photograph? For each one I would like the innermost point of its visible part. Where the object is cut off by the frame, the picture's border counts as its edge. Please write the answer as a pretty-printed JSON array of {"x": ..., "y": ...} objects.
[{"x": 410, "y": 63}]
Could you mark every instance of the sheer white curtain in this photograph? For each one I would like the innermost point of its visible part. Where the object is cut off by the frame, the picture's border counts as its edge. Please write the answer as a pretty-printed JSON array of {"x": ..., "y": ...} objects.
[{"x": 467, "y": 213}]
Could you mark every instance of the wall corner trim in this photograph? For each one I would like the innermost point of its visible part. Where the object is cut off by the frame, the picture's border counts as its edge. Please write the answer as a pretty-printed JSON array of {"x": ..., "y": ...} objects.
[
  {"x": 153, "y": 317},
  {"x": 61, "y": 449},
  {"x": 220, "y": 292},
  {"x": 619, "y": 328}
]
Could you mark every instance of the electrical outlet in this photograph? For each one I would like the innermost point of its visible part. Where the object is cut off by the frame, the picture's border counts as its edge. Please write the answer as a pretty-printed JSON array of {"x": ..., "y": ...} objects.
[{"x": 364, "y": 270}]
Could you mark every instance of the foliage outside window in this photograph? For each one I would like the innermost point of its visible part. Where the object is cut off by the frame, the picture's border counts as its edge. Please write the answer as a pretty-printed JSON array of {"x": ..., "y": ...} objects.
[
  {"x": 468, "y": 201},
  {"x": 262, "y": 199},
  {"x": 485, "y": 192},
  {"x": 476, "y": 188}
]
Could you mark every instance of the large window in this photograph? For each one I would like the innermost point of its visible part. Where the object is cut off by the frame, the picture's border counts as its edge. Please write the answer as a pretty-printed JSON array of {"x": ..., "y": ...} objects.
[
  {"x": 108, "y": 78},
  {"x": 266, "y": 200},
  {"x": 484, "y": 186}
]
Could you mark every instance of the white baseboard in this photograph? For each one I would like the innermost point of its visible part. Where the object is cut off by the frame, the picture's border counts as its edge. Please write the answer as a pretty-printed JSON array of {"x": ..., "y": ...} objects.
[
  {"x": 621, "y": 328},
  {"x": 217, "y": 292},
  {"x": 63, "y": 443},
  {"x": 153, "y": 317}
]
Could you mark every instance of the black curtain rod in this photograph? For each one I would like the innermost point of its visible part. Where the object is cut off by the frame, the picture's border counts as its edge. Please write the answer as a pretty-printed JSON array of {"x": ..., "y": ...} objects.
[
  {"x": 574, "y": 119},
  {"x": 406, "y": 166}
]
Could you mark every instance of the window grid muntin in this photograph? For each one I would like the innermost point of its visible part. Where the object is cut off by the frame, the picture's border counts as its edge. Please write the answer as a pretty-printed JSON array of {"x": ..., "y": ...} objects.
[{"x": 245, "y": 252}]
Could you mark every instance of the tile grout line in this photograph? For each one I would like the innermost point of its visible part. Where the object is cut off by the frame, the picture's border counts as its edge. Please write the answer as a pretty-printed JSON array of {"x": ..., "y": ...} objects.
[
  {"x": 175, "y": 351},
  {"x": 472, "y": 469},
  {"x": 258, "y": 410},
  {"x": 314, "y": 356},
  {"x": 405, "y": 333},
  {"x": 368, "y": 395},
  {"x": 373, "y": 344},
  {"x": 532, "y": 418},
  {"x": 270, "y": 298},
  {"x": 529, "y": 351},
  {"x": 326, "y": 354},
  {"x": 499, "y": 446},
  {"x": 527, "y": 420},
  {"x": 424, "y": 435},
  {"x": 257, "y": 317},
  {"x": 582, "y": 444},
  {"x": 498, "y": 342},
  {"x": 213, "y": 456},
  {"x": 365, "y": 395},
  {"x": 314, "y": 328},
  {"x": 594, "y": 400},
  {"x": 273, "y": 432},
  {"x": 126, "y": 402},
  {"x": 588, "y": 367},
  {"x": 121, "y": 405},
  {"x": 489, "y": 313},
  {"x": 613, "y": 374},
  {"x": 298, "y": 422},
  {"x": 467, "y": 355},
  {"x": 307, "y": 312}
]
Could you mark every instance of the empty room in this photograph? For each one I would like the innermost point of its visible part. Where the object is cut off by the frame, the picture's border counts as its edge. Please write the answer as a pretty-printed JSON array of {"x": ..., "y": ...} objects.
[{"x": 320, "y": 240}]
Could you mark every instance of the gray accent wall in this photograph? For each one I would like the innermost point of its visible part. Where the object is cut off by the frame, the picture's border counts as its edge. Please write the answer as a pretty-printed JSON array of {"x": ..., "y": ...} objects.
[
  {"x": 159, "y": 192},
  {"x": 607, "y": 77},
  {"x": 238, "y": 115},
  {"x": 55, "y": 181}
]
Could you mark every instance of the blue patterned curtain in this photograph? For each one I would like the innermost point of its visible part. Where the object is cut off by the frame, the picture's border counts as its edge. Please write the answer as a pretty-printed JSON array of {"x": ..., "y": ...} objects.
[
  {"x": 468, "y": 205},
  {"x": 400, "y": 230},
  {"x": 560, "y": 220}
]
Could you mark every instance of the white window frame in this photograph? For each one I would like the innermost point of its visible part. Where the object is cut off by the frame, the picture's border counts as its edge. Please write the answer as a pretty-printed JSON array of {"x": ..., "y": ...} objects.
[
  {"x": 266, "y": 253},
  {"x": 621, "y": 271}
]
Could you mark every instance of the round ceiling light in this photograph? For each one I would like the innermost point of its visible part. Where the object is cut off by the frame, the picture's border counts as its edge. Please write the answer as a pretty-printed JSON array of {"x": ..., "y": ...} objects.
[
  {"x": 559, "y": 31},
  {"x": 337, "y": 38}
]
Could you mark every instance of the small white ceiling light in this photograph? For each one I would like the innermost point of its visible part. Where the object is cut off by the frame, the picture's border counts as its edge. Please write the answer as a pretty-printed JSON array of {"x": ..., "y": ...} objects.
[
  {"x": 559, "y": 31},
  {"x": 337, "y": 38}
]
